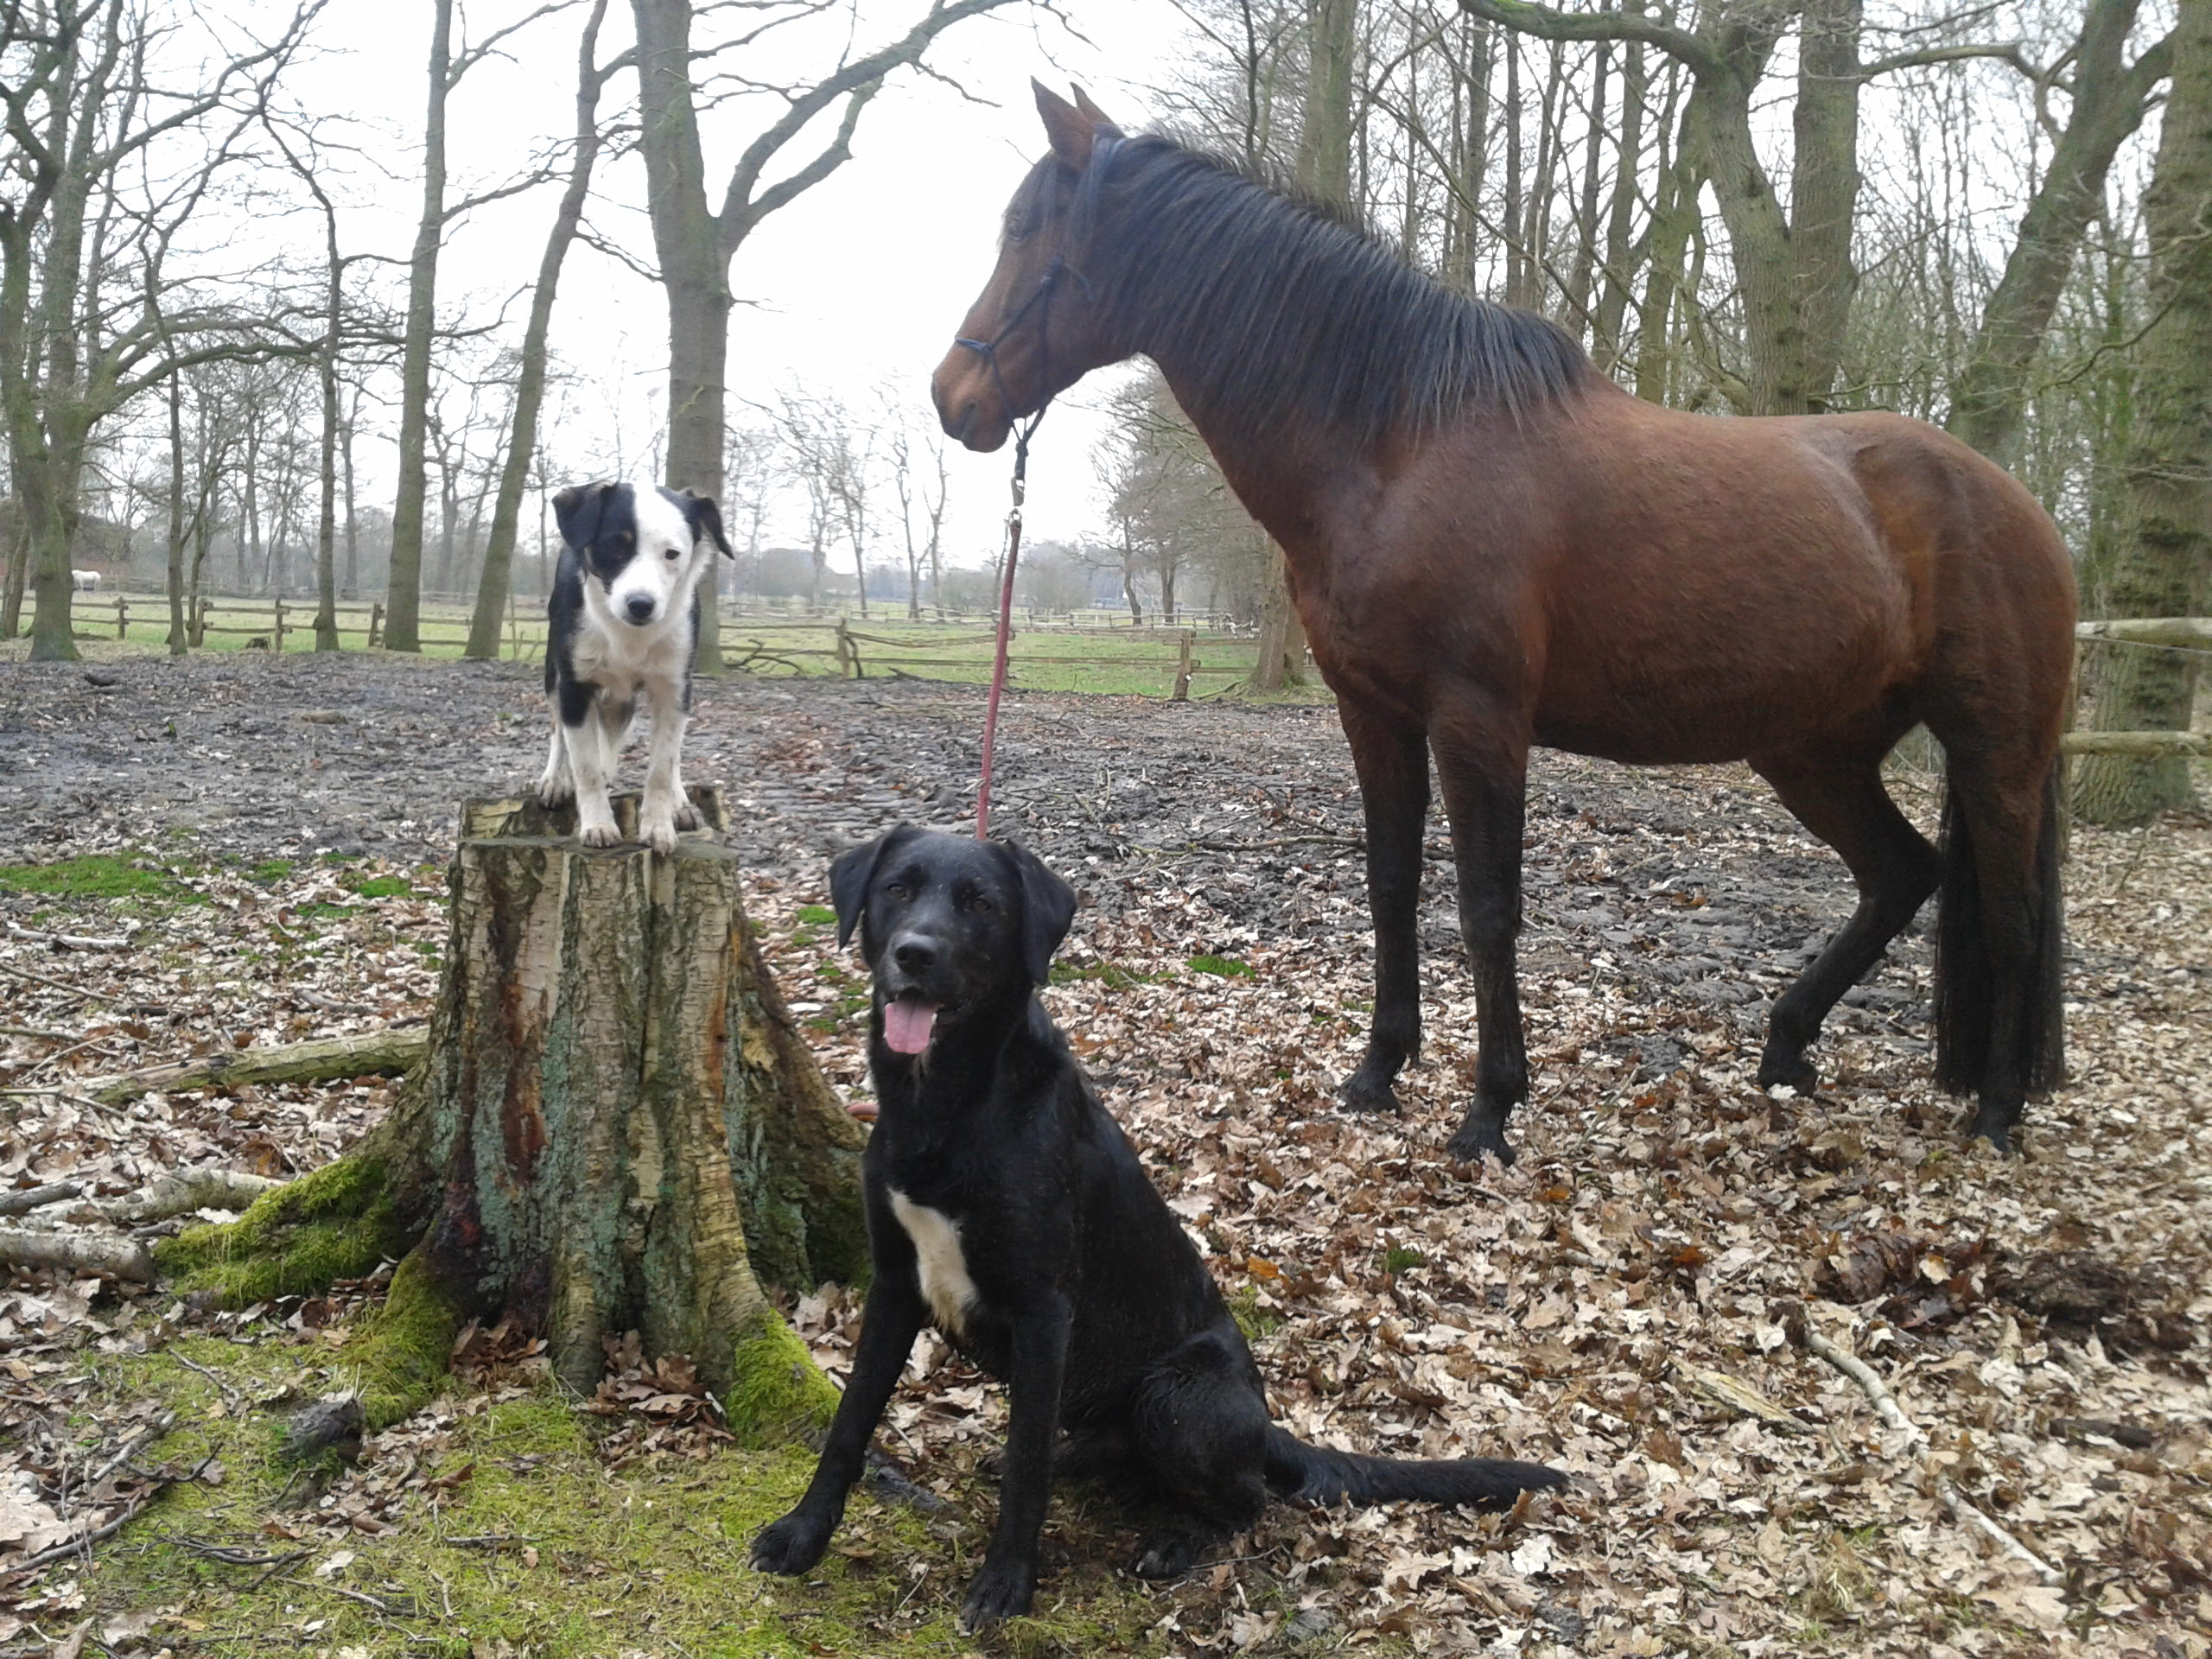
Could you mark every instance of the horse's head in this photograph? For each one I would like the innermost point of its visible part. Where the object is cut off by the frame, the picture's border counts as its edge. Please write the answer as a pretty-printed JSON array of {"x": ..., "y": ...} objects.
[{"x": 1035, "y": 327}]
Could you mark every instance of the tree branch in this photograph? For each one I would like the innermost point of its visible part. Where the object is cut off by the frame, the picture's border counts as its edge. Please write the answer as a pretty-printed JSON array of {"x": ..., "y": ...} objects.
[{"x": 1525, "y": 18}]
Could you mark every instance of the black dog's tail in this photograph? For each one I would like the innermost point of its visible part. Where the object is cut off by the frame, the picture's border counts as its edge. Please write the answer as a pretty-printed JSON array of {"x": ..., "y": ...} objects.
[{"x": 1314, "y": 1474}]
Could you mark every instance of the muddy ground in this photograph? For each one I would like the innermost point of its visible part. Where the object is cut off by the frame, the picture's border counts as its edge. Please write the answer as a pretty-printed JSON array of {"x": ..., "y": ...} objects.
[{"x": 2041, "y": 1320}]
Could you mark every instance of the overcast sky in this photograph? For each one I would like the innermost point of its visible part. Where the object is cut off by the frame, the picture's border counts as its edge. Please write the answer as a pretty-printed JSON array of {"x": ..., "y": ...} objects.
[{"x": 859, "y": 285}]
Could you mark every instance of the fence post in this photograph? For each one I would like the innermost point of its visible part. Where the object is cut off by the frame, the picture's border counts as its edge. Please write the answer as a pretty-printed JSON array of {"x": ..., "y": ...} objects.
[
  {"x": 122, "y": 618},
  {"x": 1183, "y": 665},
  {"x": 376, "y": 625},
  {"x": 280, "y": 625},
  {"x": 200, "y": 623},
  {"x": 848, "y": 664}
]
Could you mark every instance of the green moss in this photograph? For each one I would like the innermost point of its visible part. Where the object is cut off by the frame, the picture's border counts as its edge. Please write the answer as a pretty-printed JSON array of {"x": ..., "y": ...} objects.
[
  {"x": 1226, "y": 967},
  {"x": 401, "y": 1351},
  {"x": 1254, "y": 1319},
  {"x": 384, "y": 887},
  {"x": 1398, "y": 1258},
  {"x": 776, "y": 1392},
  {"x": 647, "y": 1557},
  {"x": 820, "y": 915},
  {"x": 338, "y": 1223},
  {"x": 94, "y": 876},
  {"x": 270, "y": 869}
]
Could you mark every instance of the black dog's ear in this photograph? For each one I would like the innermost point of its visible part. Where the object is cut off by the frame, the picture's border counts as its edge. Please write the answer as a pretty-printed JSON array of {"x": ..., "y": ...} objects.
[
  {"x": 578, "y": 510},
  {"x": 705, "y": 518},
  {"x": 850, "y": 876},
  {"x": 1047, "y": 908}
]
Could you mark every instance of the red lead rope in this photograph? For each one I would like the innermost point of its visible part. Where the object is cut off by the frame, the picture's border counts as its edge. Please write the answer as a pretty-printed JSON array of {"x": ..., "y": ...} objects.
[{"x": 1006, "y": 626}]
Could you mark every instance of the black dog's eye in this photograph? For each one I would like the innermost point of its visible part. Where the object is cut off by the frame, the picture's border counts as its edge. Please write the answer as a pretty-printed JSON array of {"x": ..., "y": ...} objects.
[
  {"x": 979, "y": 903},
  {"x": 674, "y": 554},
  {"x": 894, "y": 890}
]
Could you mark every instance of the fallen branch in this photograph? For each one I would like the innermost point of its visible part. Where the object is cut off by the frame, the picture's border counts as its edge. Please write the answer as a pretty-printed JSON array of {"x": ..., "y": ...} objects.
[
  {"x": 1739, "y": 1397},
  {"x": 58, "y": 985},
  {"x": 183, "y": 1191},
  {"x": 84, "y": 1542},
  {"x": 132, "y": 1448},
  {"x": 31, "y": 1198},
  {"x": 1886, "y": 1407},
  {"x": 67, "y": 941},
  {"x": 120, "y": 1258},
  {"x": 391, "y": 1049}
]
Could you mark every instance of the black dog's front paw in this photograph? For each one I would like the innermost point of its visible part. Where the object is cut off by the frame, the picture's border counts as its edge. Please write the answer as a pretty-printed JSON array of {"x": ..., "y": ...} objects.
[
  {"x": 998, "y": 1592},
  {"x": 1167, "y": 1556},
  {"x": 790, "y": 1546}
]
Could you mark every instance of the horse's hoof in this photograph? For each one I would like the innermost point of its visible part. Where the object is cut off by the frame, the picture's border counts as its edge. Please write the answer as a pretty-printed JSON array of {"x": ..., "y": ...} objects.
[
  {"x": 1362, "y": 1093},
  {"x": 1477, "y": 1137},
  {"x": 1999, "y": 1137},
  {"x": 1799, "y": 1074}
]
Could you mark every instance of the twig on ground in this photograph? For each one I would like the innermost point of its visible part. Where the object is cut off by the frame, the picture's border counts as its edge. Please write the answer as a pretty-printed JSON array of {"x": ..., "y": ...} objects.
[
  {"x": 74, "y": 990},
  {"x": 33, "y": 1197},
  {"x": 132, "y": 1448},
  {"x": 182, "y": 1191},
  {"x": 83, "y": 1543},
  {"x": 39, "y": 1032},
  {"x": 382, "y": 1609},
  {"x": 1737, "y": 1396},
  {"x": 69, "y": 941},
  {"x": 1886, "y": 1407},
  {"x": 231, "y": 1397},
  {"x": 231, "y": 1555}
]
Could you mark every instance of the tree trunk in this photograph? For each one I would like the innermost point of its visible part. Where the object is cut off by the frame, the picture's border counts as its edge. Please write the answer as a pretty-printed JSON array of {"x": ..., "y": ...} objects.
[
  {"x": 403, "y": 583},
  {"x": 494, "y": 586},
  {"x": 174, "y": 565},
  {"x": 1990, "y": 398},
  {"x": 618, "y": 1127},
  {"x": 2164, "y": 564}
]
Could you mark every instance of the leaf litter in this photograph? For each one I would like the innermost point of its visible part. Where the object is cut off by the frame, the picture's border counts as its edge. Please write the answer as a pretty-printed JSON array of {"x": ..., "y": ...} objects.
[{"x": 1621, "y": 1302}]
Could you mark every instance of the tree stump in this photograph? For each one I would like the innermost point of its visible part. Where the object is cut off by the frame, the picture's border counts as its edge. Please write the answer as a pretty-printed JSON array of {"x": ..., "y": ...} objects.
[{"x": 617, "y": 1127}]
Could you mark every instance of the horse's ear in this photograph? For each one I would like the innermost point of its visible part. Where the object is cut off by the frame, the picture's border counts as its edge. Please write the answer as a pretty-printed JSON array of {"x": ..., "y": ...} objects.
[
  {"x": 1069, "y": 128},
  {"x": 1102, "y": 124},
  {"x": 578, "y": 510}
]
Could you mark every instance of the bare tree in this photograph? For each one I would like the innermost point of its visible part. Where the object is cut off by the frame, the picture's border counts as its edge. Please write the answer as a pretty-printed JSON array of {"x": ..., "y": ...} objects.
[
  {"x": 695, "y": 242},
  {"x": 93, "y": 312}
]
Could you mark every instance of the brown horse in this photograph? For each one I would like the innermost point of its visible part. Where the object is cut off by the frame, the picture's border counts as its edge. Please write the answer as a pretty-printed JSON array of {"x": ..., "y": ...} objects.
[{"x": 1493, "y": 546}]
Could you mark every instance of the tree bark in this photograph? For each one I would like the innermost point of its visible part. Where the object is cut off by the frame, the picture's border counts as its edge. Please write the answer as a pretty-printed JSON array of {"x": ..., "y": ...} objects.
[
  {"x": 619, "y": 1126},
  {"x": 403, "y": 579},
  {"x": 2164, "y": 564},
  {"x": 492, "y": 586}
]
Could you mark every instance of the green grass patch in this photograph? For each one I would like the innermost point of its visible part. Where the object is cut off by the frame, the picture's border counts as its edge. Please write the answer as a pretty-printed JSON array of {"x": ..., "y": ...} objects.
[
  {"x": 94, "y": 876},
  {"x": 1398, "y": 1259},
  {"x": 1114, "y": 975},
  {"x": 273, "y": 869},
  {"x": 585, "y": 1559},
  {"x": 1255, "y": 1320},
  {"x": 383, "y": 887},
  {"x": 1225, "y": 967},
  {"x": 818, "y": 915}
]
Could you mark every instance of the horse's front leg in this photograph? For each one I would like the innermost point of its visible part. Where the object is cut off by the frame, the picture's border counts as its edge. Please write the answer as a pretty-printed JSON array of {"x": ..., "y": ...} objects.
[
  {"x": 1392, "y": 761},
  {"x": 1483, "y": 766}
]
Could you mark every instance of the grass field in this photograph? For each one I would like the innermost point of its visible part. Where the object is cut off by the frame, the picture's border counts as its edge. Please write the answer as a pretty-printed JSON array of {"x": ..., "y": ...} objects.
[{"x": 1045, "y": 656}]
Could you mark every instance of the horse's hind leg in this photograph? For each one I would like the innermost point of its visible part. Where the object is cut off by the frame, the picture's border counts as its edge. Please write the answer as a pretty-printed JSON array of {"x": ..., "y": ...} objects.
[
  {"x": 1393, "y": 766},
  {"x": 1485, "y": 773},
  {"x": 1841, "y": 800}
]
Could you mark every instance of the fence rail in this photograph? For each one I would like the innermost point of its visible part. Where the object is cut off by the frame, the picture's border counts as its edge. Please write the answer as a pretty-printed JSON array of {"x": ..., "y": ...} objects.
[{"x": 2192, "y": 634}]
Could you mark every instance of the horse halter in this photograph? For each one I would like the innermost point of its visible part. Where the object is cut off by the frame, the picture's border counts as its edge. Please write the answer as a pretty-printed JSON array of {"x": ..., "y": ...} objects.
[{"x": 1040, "y": 300}]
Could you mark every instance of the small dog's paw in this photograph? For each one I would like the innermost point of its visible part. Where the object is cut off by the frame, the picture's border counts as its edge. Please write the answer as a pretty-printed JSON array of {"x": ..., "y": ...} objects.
[
  {"x": 687, "y": 817},
  {"x": 601, "y": 835},
  {"x": 790, "y": 1546},
  {"x": 555, "y": 791},
  {"x": 1167, "y": 1556},
  {"x": 998, "y": 1592},
  {"x": 661, "y": 837}
]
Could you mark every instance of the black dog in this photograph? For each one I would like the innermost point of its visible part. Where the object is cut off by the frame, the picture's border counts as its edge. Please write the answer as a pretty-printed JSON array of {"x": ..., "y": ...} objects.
[{"x": 1005, "y": 1206}]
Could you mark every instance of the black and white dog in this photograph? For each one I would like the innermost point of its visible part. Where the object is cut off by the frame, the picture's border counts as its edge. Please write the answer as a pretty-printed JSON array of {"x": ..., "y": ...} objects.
[{"x": 624, "y": 618}]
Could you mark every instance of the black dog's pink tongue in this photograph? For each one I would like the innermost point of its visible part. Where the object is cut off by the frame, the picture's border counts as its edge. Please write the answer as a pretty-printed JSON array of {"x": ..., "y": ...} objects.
[{"x": 906, "y": 1024}]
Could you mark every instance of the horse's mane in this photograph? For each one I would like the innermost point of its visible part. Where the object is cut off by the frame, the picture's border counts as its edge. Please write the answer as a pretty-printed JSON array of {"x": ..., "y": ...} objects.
[{"x": 1277, "y": 307}]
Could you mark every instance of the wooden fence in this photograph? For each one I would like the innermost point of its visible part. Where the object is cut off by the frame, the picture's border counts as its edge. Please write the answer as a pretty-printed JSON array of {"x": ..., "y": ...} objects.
[{"x": 2186, "y": 633}]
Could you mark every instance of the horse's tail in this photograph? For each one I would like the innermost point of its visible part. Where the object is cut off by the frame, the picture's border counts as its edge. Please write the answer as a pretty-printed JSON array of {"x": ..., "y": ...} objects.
[
  {"x": 1314, "y": 1474},
  {"x": 1963, "y": 980}
]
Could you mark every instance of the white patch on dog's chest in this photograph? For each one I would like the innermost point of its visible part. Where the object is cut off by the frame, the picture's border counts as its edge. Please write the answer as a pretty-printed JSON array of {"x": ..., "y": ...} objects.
[{"x": 938, "y": 1259}]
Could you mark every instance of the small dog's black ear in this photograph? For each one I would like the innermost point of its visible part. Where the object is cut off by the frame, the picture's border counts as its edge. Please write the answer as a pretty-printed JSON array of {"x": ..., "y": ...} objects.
[
  {"x": 578, "y": 510},
  {"x": 705, "y": 518},
  {"x": 850, "y": 876},
  {"x": 1047, "y": 908}
]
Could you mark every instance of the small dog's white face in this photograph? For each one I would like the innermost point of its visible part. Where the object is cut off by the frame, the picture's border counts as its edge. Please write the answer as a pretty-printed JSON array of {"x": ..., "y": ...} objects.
[{"x": 643, "y": 571}]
